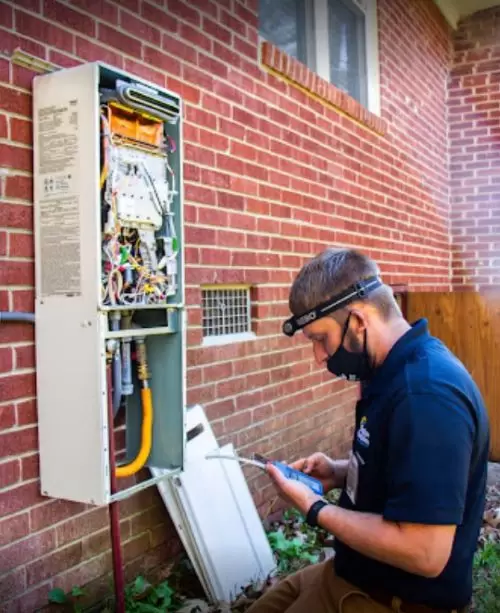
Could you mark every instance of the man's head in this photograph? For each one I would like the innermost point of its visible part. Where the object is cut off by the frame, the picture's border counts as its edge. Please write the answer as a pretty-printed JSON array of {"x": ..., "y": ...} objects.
[{"x": 358, "y": 335}]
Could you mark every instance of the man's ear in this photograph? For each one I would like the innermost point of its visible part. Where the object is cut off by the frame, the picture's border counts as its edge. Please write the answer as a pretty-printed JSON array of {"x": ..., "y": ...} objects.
[{"x": 359, "y": 319}]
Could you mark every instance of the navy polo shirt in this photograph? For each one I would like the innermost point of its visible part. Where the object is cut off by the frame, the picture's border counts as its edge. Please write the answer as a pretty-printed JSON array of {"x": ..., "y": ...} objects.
[{"x": 422, "y": 443}]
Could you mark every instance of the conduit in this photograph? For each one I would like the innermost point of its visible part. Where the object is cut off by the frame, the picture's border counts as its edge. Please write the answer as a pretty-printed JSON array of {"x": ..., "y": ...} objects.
[{"x": 17, "y": 316}]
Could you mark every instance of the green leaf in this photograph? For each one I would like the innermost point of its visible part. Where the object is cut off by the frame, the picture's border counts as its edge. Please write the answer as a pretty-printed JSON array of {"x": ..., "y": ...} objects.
[
  {"x": 58, "y": 596},
  {"x": 77, "y": 591}
]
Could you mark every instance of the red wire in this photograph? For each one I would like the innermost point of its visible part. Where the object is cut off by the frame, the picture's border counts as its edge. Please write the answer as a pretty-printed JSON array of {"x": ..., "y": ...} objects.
[{"x": 114, "y": 511}]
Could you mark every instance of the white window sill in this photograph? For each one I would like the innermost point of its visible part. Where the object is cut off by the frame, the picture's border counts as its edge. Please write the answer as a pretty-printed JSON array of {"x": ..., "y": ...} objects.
[{"x": 226, "y": 339}]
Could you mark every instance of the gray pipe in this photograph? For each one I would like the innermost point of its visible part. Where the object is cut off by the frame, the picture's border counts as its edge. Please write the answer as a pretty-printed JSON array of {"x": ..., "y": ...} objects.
[
  {"x": 17, "y": 316},
  {"x": 117, "y": 380},
  {"x": 117, "y": 366}
]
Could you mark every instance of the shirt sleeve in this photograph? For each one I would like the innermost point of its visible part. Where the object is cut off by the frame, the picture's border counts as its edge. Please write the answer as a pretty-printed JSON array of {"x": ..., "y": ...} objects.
[{"x": 430, "y": 447}]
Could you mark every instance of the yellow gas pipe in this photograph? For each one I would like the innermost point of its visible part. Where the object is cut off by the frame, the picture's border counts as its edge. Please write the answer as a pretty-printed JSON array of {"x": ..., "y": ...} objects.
[{"x": 126, "y": 470}]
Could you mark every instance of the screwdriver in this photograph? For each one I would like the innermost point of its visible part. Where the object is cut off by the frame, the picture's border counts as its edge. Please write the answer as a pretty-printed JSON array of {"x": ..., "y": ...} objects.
[{"x": 260, "y": 462}]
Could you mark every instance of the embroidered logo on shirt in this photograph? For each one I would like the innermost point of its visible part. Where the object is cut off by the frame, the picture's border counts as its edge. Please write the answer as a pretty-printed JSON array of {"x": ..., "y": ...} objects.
[{"x": 362, "y": 434}]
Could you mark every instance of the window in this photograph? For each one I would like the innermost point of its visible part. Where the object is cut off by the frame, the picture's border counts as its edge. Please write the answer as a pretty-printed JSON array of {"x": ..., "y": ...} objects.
[
  {"x": 226, "y": 314},
  {"x": 337, "y": 39}
]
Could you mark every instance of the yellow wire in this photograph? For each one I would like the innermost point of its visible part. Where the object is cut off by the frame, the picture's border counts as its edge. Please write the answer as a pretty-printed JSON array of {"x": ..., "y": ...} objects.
[{"x": 147, "y": 427}]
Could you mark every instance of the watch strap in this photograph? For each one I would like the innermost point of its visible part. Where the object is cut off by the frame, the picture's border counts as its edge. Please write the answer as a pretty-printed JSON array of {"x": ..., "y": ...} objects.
[{"x": 314, "y": 509}]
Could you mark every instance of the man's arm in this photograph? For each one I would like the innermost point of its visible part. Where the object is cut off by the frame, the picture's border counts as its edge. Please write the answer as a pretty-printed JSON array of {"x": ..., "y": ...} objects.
[
  {"x": 417, "y": 548},
  {"x": 340, "y": 472},
  {"x": 422, "y": 549},
  {"x": 429, "y": 452}
]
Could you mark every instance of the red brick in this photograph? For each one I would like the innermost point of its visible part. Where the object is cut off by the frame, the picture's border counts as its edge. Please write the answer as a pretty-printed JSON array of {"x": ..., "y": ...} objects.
[
  {"x": 195, "y": 76},
  {"x": 10, "y": 42},
  {"x": 194, "y": 36},
  {"x": 177, "y": 48},
  {"x": 32, "y": 5},
  {"x": 6, "y": 19},
  {"x": 23, "y": 77},
  {"x": 188, "y": 93},
  {"x": 6, "y": 361},
  {"x": 117, "y": 40},
  {"x": 16, "y": 157},
  {"x": 30, "y": 467},
  {"x": 23, "y": 300},
  {"x": 20, "y": 245},
  {"x": 92, "y": 52},
  {"x": 212, "y": 66},
  {"x": 14, "y": 101},
  {"x": 21, "y": 131},
  {"x": 162, "y": 61},
  {"x": 25, "y": 356},
  {"x": 233, "y": 23},
  {"x": 42, "y": 30},
  {"x": 31, "y": 600},
  {"x": 184, "y": 11},
  {"x": 242, "y": 46},
  {"x": 16, "y": 273},
  {"x": 7, "y": 416},
  {"x": 249, "y": 17},
  {"x": 54, "y": 563},
  {"x": 26, "y": 412},
  {"x": 53, "y": 512},
  {"x": 144, "y": 71},
  {"x": 63, "y": 60},
  {"x": 103, "y": 9},
  {"x": 15, "y": 333},
  {"x": 55, "y": 11},
  {"x": 3, "y": 243},
  {"x": 12, "y": 583},
  {"x": 10, "y": 473},
  {"x": 18, "y": 441},
  {"x": 198, "y": 116},
  {"x": 19, "y": 498},
  {"x": 19, "y": 187},
  {"x": 82, "y": 525},
  {"x": 3, "y": 126},
  {"x": 140, "y": 29},
  {"x": 14, "y": 528},
  {"x": 159, "y": 17}
]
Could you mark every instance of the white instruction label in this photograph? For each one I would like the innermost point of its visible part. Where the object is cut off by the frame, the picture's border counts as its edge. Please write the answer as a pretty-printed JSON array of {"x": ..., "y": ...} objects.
[
  {"x": 59, "y": 206},
  {"x": 60, "y": 247}
]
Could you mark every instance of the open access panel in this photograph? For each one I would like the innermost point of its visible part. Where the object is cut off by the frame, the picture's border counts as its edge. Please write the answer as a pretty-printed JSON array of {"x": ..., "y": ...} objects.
[{"x": 109, "y": 278}]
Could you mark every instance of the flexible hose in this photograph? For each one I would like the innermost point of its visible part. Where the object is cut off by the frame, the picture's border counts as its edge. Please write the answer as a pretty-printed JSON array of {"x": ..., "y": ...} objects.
[
  {"x": 127, "y": 470},
  {"x": 17, "y": 316}
]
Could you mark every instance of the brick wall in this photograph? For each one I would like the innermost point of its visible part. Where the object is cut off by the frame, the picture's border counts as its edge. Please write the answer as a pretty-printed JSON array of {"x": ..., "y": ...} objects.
[
  {"x": 272, "y": 175},
  {"x": 474, "y": 107}
]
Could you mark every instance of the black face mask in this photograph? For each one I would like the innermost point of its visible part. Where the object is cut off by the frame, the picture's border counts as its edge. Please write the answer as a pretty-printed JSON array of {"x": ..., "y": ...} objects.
[{"x": 348, "y": 364}]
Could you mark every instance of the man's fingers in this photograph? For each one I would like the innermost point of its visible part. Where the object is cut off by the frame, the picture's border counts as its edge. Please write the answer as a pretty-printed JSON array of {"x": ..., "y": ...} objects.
[
  {"x": 276, "y": 475},
  {"x": 299, "y": 464}
]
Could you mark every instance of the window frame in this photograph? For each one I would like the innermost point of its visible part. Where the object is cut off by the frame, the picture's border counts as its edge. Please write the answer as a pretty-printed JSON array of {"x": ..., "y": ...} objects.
[{"x": 318, "y": 46}]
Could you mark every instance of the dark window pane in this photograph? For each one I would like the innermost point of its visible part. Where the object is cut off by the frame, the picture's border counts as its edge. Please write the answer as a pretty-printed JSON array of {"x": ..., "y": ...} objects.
[
  {"x": 282, "y": 22},
  {"x": 347, "y": 48}
]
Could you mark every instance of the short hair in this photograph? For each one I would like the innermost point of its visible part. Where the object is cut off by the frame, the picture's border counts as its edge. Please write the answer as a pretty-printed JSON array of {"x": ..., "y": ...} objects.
[{"x": 333, "y": 271}]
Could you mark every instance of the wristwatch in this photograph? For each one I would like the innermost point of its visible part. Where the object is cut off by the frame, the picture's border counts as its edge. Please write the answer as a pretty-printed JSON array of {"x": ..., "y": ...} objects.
[{"x": 312, "y": 514}]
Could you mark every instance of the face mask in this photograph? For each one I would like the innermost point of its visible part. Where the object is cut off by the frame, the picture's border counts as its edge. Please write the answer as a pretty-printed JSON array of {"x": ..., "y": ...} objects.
[{"x": 348, "y": 364}]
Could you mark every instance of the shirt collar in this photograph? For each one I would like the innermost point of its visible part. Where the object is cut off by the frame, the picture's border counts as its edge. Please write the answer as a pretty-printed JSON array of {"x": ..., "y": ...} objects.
[{"x": 418, "y": 332}]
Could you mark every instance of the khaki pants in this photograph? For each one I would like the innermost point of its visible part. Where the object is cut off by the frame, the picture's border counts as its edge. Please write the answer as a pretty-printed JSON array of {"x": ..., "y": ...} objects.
[{"x": 317, "y": 589}]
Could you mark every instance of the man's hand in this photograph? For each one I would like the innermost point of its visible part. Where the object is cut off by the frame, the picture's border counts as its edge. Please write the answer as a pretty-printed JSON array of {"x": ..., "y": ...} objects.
[
  {"x": 294, "y": 492},
  {"x": 331, "y": 473}
]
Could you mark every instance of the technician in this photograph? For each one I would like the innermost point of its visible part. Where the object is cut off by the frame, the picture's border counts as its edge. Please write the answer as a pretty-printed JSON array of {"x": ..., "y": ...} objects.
[{"x": 413, "y": 489}]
